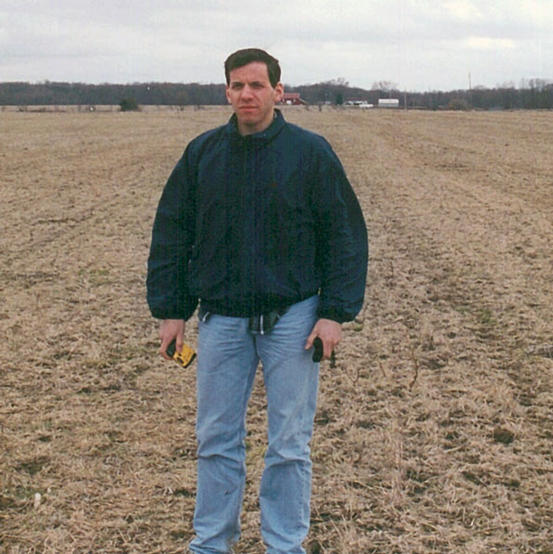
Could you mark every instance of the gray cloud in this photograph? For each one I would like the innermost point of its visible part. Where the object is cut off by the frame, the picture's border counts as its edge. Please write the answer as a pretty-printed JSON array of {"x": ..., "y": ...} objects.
[{"x": 418, "y": 44}]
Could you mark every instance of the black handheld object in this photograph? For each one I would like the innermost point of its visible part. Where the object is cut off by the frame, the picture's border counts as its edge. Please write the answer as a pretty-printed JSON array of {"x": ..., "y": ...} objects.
[
  {"x": 185, "y": 357},
  {"x": 171, "y": 349},
  {"x": 317, "y": 349},
  {"x": 318, "y": 352}
]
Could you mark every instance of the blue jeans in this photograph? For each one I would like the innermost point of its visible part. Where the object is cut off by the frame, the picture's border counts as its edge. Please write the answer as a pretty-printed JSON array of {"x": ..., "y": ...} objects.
[{"x": 228, "y": 356}]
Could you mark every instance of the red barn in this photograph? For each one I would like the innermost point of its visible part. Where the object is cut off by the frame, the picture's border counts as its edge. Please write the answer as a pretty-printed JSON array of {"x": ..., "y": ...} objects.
[{"x": 292, "y": 99}]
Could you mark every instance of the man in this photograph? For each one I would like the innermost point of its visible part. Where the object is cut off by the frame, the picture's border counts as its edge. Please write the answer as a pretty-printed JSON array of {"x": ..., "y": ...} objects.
[{"x": 259, "y": 224}]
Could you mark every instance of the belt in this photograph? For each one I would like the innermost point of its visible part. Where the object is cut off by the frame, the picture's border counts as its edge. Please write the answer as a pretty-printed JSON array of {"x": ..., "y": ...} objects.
[
  {"x": 259, "y": 324},
  {"x": 263, "y": 323}
]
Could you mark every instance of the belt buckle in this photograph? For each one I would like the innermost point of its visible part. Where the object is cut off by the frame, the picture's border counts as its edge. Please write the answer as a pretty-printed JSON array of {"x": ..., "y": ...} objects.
[{"x": 263, "y": 323}]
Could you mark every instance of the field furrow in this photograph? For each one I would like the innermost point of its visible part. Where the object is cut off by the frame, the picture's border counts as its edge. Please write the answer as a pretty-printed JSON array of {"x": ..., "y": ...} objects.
[{"x": 433, "y": 431}]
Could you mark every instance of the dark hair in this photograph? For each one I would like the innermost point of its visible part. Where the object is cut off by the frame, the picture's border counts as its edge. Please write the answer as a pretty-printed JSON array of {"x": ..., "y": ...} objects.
[{"x": 243, "y": 57}]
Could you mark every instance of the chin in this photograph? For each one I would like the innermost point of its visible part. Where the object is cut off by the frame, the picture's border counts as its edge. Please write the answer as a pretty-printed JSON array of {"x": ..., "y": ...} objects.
[{"x": 248, "y": 120}]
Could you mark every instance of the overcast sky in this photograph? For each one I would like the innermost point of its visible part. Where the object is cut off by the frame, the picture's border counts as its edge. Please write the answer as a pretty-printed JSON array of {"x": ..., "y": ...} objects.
[{"x": 418, "y": 45}]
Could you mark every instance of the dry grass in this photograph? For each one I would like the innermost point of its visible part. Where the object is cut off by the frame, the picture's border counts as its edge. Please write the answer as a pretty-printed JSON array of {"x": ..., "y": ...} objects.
[{"x": 434, "y": 431}]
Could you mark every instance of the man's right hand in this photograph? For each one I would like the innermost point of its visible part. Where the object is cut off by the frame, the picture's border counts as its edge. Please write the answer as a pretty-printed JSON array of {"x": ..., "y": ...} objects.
[{"x": 170, "y": 329}]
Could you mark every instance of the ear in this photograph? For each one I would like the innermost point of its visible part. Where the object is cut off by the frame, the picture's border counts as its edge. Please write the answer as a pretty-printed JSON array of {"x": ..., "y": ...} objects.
[
  {"x": 227, "y": 94},
  {"x": 279, "y": 92}
]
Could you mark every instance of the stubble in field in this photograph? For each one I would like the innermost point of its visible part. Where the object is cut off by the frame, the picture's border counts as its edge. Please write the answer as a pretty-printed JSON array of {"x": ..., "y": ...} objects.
[{"x": 433, "y": 432}]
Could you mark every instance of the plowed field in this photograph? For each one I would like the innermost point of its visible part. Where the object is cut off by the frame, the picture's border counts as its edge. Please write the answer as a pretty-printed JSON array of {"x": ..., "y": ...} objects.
[{"x": 434, "y": 431}]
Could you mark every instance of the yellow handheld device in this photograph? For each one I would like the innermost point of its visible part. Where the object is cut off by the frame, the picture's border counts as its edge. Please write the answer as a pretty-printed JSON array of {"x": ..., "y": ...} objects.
[{"x": 185, "y": 357}]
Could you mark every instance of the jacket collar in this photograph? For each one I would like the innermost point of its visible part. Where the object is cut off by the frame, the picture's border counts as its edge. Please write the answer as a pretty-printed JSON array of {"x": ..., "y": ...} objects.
[{"x": 262, "y": 137}]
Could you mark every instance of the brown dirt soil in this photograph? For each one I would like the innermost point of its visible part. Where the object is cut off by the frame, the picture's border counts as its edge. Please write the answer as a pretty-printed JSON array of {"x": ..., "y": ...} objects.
[{"x": 434, "y": 431}]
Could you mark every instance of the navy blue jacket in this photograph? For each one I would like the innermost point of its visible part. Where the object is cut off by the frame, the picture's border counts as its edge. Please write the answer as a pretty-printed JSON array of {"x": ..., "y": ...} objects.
[{"x": 248, "y": 224}]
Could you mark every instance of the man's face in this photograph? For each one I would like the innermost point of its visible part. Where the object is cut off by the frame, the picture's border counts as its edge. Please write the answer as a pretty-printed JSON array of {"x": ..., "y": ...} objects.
[{"x": 252, "y": 97}]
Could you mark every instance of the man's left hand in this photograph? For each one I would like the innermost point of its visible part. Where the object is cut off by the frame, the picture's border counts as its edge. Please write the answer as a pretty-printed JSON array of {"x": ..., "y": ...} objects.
[{"x": 330, "y": 333}]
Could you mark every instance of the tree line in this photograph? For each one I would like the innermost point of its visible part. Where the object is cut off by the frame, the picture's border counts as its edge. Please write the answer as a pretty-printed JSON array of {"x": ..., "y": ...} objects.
[
  {"x": 532, "y": 94},
  {"x": 71, "y": 94}
]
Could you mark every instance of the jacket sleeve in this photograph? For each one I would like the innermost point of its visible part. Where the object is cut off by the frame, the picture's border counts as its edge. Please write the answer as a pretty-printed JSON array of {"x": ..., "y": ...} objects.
[
  {"x": 342, "y": 245},
  {"x": 172, "y": 239}
]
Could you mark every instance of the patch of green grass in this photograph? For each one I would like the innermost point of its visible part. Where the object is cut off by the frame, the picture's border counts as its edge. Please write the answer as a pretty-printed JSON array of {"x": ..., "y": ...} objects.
[{"x": 485, "y": 317}]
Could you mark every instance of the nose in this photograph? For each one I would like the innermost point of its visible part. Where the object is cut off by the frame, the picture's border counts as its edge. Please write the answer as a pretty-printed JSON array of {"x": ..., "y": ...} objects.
[{"x": 246, "y": 92}]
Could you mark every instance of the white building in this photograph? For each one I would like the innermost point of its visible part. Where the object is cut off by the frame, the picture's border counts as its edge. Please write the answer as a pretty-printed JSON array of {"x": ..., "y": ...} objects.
[
  {"x": 363, "y": 104},
  {"x": 388, "y": 103}
]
